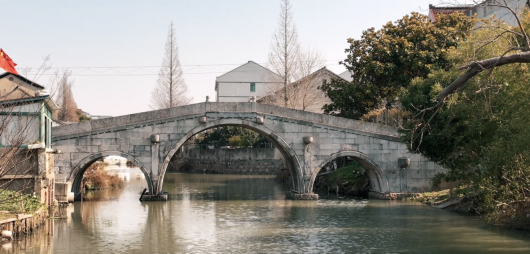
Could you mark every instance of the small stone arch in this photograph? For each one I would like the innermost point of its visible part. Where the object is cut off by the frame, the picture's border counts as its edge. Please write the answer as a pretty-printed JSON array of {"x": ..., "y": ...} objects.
[
  {"x": 76, "y": 175},
  {"x": 375, "y": 172},
  {"x": 287, "y": 152}
]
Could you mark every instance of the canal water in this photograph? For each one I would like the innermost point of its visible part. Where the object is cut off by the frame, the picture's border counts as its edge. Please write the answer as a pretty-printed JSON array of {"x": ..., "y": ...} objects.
[{"x": 249, "y": 214}]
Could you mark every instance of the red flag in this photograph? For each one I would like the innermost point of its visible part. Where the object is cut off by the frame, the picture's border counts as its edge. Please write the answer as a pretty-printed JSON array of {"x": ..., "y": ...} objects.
[{"x": 6, "y": 63}]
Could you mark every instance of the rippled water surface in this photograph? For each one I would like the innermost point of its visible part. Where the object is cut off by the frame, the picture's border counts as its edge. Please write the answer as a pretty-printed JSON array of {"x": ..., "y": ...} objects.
[{"x": 249, "y": 214}]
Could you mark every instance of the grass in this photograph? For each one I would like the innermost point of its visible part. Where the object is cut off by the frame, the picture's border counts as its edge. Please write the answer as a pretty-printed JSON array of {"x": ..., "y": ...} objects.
[
  {"x": 347, "y": 174},
  {"x": 438, "y": 197},
  {"x": 6, "y": 216},
  {"x": 350, "y": 180},
  {"x": 12, "y": 203},
  {"x": 435, "y": 197}
]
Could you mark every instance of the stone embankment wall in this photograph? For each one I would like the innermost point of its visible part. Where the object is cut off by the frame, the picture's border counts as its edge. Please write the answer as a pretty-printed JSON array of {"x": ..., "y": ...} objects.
[
  {"x": 233, "y": 161},
  {"x": 24, "y": 223}
]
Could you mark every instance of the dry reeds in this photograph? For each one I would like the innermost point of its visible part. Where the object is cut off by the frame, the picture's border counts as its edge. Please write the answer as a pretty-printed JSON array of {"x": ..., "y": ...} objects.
[{"x": 97, "y": 178}]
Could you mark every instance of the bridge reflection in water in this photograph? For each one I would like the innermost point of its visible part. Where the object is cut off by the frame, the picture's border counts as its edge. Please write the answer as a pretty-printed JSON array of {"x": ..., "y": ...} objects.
[{"x": 249, "y": 214}]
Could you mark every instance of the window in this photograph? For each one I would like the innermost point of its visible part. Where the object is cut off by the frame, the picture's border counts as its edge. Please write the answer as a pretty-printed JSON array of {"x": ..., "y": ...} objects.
[
  {"x": 47, "y": 138},
  {"x": 324, "y": 81},
  {"x": 252, "y": 87}
]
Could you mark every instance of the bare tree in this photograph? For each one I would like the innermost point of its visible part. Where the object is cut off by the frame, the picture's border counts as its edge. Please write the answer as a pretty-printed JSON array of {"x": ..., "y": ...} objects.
[
  {"x": 298, "y": 86},
  {"x": 170, "y": 90},
  {"x": 305, "y": 93},
  {"x": 285, "y": 49},
  {"x": 65, "y": 98},
  {"x": 41, "y": 70},
  {"x": 59, "y": 88}
]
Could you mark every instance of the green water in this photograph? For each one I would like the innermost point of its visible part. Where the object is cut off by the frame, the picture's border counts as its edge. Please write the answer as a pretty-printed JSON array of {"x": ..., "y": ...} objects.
[{"x": 249, "y": 214}]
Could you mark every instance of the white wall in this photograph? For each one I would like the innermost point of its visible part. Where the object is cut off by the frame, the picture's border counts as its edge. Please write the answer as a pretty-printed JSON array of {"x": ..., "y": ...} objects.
[
  {"x": 234, "y": 86},
  {"x": 502, "y": 13},
  {"x": 239, "y": 92},
  {"x": 20, "y": 129}
]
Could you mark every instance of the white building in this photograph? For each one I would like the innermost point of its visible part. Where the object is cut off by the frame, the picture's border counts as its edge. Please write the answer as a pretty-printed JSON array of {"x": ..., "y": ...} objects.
[
  {"x": 247, "y": 80},
  {"x": 252, "y": 79},
  {"x": 305, "y": 94},
  {"x": 484, "y": 10},
  {"x": 346, "y": 75},
  {"x": 26, "y": 154}
]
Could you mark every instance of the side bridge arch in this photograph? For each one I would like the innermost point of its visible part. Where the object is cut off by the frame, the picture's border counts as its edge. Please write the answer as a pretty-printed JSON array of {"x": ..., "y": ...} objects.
[
  {"x": 76, "y": 175},
  {"x": 374, "y": 171}
]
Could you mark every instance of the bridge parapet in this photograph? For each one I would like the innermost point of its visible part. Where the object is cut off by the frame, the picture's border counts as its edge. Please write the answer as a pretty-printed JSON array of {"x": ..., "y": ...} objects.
[{"x": 151, "y": 117}]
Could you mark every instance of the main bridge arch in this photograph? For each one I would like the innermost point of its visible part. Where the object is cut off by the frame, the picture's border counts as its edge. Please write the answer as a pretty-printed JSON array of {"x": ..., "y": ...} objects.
[
  {"x": 291, "y": 161},
  {"x": 306, "y": 140}
]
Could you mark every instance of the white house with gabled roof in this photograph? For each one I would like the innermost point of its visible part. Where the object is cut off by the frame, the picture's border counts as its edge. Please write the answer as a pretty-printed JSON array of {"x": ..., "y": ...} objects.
[
  {"x": 243, "y": 82},
  {"x": 305, "y": 94},
  {"x": 26, "y": 153}
]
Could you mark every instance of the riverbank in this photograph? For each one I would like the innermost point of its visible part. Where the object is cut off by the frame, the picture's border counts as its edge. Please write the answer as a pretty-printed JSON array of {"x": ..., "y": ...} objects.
[
  {"x": 21, "y": 213},
  {"x": 457, "y": 199},
  {"x": 24, "y": 223}
]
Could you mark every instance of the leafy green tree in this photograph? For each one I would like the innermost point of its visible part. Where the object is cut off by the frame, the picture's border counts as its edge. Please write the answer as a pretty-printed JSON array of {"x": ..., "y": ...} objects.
[
  {"x": 384, "y": 62},
  {"x": 231, "y": 135},
  {"x": 480, "y": 134},
  {"x": 82, "y": 116}
]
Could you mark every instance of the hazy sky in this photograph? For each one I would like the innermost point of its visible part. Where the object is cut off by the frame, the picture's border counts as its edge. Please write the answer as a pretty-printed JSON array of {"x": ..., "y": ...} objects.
[{"x": 115, "y": 48}]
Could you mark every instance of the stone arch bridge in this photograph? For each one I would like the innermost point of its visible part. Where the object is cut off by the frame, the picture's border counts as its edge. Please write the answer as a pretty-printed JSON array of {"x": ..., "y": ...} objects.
[{"x": 306, "y": 140}]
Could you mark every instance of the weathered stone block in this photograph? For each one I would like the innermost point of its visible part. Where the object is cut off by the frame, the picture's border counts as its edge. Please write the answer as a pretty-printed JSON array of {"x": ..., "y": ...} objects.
[
  {"x": 279, "y": 127},
  {"x": 78, "y": 156},
  {"x": 294, "y": 128},
  {"x": 81, "y": 149},
  {"x": 351, "y": 135},
  {"x": 108, "y": 123},
  {"x": 105, "y": 135},
  {"x": 303, "y": 196},
  {"x": 137, "y": 141},
  {"x": 292, "y": 136},
  {"x": 84, "y": 141},
  {"x": 334, "y": 147},
  {"x": 343, "y": 141},
  {"x": 109, "y": 148},
  {"x": 70, "y": 129},
  {"x": 126, "y": 148},
  {"x": 393, "y": 145},
  {"x": 392, "y": 174},
  {"x": 64, "y": 142}
]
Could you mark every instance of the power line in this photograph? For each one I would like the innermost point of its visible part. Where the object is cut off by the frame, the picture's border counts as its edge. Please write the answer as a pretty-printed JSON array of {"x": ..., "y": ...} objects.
[
  {"x": 97, "y": 71},
  {"x": 155, "y": 66}
]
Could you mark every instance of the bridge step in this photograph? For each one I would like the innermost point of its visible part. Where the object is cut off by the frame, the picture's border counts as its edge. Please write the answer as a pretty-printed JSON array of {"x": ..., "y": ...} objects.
[{"x": 302, "y": 196}]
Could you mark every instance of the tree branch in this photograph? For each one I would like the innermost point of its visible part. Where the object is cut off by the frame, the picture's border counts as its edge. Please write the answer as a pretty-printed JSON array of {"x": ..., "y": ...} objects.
[{"x": 477, "y": 67}]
